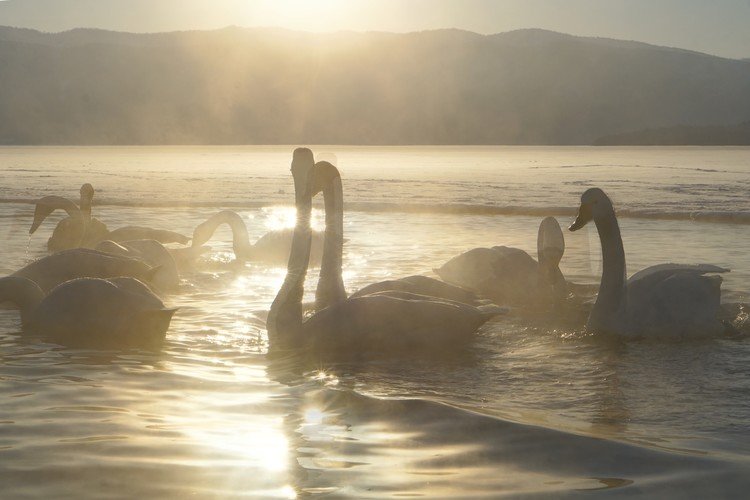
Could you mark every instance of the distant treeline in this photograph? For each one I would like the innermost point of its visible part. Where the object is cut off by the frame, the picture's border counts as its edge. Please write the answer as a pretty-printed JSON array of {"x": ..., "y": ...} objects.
[
  {"x": 271, "y": 86},
  {"x": 730, "y": 135}
]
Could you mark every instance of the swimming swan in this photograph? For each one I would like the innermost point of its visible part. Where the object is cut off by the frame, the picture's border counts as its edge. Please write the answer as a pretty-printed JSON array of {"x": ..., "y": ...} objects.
[
  {"x": 50, "y": 271},
  {"x": 397, "y": 321},
  {"x": 666, "y": 300},
  {"x": 80, "y": 230},
  {"x": 510, "y": 275},
  {"x": 272, "y": 248},
  {"x": 114, "y": 313}
]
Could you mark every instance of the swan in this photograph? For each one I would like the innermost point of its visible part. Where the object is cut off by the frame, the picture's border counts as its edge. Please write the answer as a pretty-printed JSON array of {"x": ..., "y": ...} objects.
[
  {"x": 153, "y": 253},
  {"x": 50, "y": 271},
  {"x": 271, "y": 248},
  {"x": 79, "y": 229},
  {"x": 384, "y": 321},
  {"x": 90, "y": 312},
  {"x": 666, "y": 300},
  {"x": 510, "y": 275}
]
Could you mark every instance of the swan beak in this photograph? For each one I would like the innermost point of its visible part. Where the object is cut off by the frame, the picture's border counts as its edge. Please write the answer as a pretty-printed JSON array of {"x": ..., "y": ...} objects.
[
  {"x": 585, "y": 215},
  {"x": 40, "y": 213}
]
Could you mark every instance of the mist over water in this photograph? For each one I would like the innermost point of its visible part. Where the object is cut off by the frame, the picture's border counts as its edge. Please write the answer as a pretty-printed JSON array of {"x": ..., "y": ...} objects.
[{"x": 211, "y": 416}]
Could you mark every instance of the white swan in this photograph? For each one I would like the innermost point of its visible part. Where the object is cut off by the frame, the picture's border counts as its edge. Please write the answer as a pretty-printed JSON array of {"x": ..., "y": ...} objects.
[
  {"x": 153, "y": 253},
  {"x": 79, "y": 229},
  {"x": 510, "y": 275},
  {"x": 387, "y": 321},
  {"x": 50, "y": 271},
  {"x": 666, "y": 300},
  {"x": 114, "y": 313},
  {"x": 272, "y": 248}
]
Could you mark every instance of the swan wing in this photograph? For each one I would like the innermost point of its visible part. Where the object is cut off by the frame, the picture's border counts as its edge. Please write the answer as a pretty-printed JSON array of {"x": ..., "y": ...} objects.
[
  {"x": 661, "y": 271},
  {"x": 422, "y": 285},
  {"x": 500, "y": 273},
  {"x": 67, "y": 265},
  {"x": 676, "y": 302},
  {"x": 129, "y": 233}
]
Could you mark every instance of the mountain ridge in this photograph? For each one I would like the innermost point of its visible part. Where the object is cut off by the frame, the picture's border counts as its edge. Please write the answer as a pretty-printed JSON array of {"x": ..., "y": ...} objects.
[{"x": 271, "y": 86}]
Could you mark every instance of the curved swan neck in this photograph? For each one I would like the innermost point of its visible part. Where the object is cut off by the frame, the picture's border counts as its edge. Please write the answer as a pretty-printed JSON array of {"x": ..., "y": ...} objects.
[
  {"x": 23, "y": 292},
  {"x": 240, "y": 238},
  {"x": 612, "y": 289},
  {"x": 331, "y": 288},
  {"x": 45, "y": 206},
  {"x": 285, "y": 315}
]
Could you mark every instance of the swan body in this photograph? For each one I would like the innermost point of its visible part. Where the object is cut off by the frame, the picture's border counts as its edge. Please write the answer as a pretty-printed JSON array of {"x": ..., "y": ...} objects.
[
  {"x": 80, "y": 230},
  {"x": 272, "y": 248},
  {"x": 87, "y": 312},
  {"x": 666, "y": 300},
  {"x": 387, "y": 321},
  {"x": 510, "y": 275},
  {"x": 153, "y": 253},
  {"x": 50, "y": 271}
]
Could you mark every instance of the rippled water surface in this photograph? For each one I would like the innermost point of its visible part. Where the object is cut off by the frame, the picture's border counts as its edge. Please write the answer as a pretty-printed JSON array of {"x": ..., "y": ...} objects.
[{"x": 527, "y": 410}]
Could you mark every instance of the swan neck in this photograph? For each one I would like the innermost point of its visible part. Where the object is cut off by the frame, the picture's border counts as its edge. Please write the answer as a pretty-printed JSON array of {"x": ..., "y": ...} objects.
[
  {"x": 85, "y": 208},
  {"x": 285, "y": 315},
  {"x": 612, "y": 288},
  {"x": 331, "y": 288},
  {"x": 24, "y": 293},
  {"x": 240, "y": 237}
]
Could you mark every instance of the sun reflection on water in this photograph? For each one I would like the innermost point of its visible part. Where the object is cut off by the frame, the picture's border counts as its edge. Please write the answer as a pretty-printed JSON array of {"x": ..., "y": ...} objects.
[{"x": 279, "y": 218}]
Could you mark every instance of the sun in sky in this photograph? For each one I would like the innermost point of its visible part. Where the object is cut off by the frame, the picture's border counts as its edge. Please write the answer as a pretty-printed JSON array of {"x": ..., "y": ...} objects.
[{"x": 308, "y": 15}]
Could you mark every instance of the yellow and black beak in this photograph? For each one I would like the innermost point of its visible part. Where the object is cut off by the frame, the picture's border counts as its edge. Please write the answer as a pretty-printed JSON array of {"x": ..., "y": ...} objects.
[{"x": 585, "y": 215}]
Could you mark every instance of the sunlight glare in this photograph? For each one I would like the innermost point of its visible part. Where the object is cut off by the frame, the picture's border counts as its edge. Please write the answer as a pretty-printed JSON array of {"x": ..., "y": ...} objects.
[
  {"x": 279, "y": 218},
  {"x": 313, "y": 416},
  {"x": 309, "y": 15}
]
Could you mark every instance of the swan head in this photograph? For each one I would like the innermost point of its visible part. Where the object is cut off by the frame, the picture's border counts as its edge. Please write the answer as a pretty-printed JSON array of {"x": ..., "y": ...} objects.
[
  {"x": 87, "y": 192},
  {"x": 325, "y": 172},
  {"x": 303, "y": 164},
  {"x": 595, "y": 204}
]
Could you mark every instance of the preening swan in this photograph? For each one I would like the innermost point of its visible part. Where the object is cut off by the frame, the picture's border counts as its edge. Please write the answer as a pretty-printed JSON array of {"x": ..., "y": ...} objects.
[
  {"x": 666, "y": 300},
  {"x": 50, "y": 271},
  {"x": 153, "y": 253},
  {"x": 387, "y": 321},
  {"x": 271, "y": 248},
  {"x": 80, "y": 230},
  {"x": 510, "y": 275},
  {"x": 114, "y": 313}
]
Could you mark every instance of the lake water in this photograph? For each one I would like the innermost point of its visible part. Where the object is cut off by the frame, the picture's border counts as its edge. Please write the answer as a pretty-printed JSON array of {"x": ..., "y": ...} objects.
[{"x": 526, "y": 411}]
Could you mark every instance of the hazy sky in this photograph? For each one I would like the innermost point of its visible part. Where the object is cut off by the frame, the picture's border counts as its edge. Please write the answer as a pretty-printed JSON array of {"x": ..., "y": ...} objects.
[{"x": 720, "y": 27}]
